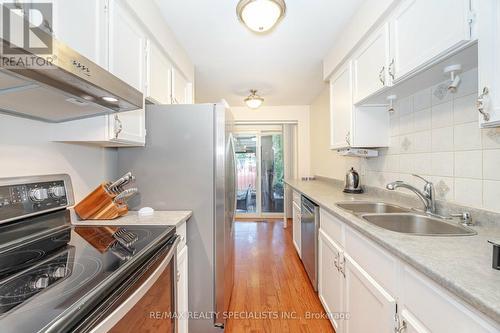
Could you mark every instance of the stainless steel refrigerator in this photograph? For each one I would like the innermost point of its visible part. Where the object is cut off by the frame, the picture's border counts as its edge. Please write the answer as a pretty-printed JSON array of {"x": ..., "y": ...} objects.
[{"x": 188, "y": 164}]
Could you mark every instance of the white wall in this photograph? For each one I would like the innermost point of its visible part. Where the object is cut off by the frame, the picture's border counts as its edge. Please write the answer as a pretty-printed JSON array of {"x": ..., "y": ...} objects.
[
  {"x": 298, "y": 113},
  {"x": 25, "y": 150}
]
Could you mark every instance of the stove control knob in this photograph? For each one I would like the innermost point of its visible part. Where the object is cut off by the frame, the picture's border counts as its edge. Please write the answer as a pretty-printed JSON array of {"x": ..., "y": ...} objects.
[
  {"x": 38, "y": 194},
  {"x": 57, "y": 191},
  {"x": 59, "y": 272},
  {"x": 40, "y": 282}
]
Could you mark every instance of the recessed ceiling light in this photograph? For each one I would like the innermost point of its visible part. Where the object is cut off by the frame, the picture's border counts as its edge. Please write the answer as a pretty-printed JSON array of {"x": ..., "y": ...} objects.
[
  {"x": 261, "y": 15},
  {"x": 254, "y": 101},
  {"x": 110, "y": 99}
]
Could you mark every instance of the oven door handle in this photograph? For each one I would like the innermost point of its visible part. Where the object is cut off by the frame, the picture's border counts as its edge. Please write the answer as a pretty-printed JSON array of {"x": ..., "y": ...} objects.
[{"x": 114, "y": 317}]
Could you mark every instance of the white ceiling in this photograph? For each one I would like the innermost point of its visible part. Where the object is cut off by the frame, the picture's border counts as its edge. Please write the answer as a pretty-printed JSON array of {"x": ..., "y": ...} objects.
[{"x": 285, "y": 65}]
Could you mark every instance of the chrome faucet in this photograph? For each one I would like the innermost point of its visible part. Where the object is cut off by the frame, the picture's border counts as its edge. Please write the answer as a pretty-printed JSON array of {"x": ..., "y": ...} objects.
[{"x": 427, "y": 195}]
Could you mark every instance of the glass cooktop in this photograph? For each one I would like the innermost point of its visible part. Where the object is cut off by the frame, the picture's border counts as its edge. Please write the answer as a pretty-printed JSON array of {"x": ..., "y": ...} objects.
[{"x": 55, "y": 270}]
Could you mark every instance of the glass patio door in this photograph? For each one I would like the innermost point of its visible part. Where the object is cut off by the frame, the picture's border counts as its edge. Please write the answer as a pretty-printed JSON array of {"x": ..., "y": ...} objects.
[{"x": 260, "y": 173}]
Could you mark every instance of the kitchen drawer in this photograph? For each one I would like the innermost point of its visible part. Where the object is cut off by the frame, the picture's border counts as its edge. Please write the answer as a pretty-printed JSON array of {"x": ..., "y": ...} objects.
[
  {"x": 447, "y": 314},
  {"x": 297, "y": 198},
  {"x": 379, "y": 264},
  {"x": 182, "y": 232},
  {"x": 332, "y": 226}
]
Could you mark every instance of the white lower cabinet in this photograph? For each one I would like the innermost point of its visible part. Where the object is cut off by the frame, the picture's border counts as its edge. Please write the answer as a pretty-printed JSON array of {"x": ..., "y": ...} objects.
[
  {"x": 446, "y": 313},
  {"x": 370, "y": 307},
  {"x": 296, "y": 227},
  {"x": 330, "y": 279},
  {"x": 182, "y": 290},
  {"x": 380, "y": 293}
]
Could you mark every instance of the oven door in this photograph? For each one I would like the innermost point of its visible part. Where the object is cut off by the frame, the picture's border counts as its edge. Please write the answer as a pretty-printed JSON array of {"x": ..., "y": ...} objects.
[{"x": 149, "y": 304}]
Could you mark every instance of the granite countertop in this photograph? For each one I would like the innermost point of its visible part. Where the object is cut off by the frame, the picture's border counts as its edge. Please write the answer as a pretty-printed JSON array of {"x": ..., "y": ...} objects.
[
  {"x": 462, "y": 265},
  {"x": 175, "y": 218}
]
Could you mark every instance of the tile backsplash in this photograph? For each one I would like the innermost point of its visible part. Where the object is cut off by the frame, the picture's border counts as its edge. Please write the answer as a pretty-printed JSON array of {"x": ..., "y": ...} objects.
[{"x": 435, "y": 133}]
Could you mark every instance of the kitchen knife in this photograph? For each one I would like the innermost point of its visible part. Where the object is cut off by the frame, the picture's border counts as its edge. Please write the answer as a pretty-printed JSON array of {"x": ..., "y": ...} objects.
[
  {"x": 125, "y": 195},
  {"x": 119, "y": 182},
  {"x": 129, "y": 180}
]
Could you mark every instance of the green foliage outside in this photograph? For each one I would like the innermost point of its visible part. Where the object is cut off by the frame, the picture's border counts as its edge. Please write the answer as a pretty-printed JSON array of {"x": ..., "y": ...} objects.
[{"x": 278, "y": 164}]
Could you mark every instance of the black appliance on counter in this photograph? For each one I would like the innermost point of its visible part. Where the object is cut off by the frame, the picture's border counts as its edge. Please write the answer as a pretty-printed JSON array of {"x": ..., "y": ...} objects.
[{"x": 57, "y": 277}]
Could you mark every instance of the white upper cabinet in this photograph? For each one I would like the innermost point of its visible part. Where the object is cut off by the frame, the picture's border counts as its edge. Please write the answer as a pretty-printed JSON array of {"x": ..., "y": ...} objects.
[
  {"x": 127, "y": 60},
  {"x": 424, "y": 30},
  {"x": 182, "y": 89},
  {"x": 352, "y": 126},
  {"x": 82, "y": 25},
  {"x": 488, "y": 104},
  {"x": 341, "y": 106},
  {"x": 127, "y": 46},
  {"x": 159, "y": 76},
  {"x": 370, "y": 64}
]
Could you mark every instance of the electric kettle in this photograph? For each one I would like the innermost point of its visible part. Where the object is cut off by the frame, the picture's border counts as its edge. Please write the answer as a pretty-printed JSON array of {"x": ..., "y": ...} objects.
[{"x": 352, "y": 183}]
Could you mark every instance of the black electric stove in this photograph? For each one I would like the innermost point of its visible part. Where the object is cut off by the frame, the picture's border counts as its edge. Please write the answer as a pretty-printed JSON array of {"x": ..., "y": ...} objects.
[{"x": 54, "y": 274}]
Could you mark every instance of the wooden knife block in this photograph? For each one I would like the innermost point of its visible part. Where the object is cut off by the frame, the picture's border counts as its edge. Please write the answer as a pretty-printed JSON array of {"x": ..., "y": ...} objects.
[{"x": 99, "y": 205}]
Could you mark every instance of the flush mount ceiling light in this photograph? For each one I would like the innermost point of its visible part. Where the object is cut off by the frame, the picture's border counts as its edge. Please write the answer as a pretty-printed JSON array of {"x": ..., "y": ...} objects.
[
  {"x": 253, "y": 101},
  {"x": 260, "y": 15}
]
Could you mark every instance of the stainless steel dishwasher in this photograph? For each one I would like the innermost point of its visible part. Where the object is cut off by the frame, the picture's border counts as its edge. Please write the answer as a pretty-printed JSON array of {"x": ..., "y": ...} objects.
[{"x": 309, "y": 239}]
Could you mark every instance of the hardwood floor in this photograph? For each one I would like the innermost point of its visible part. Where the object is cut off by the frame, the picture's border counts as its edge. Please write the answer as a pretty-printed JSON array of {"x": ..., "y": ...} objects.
[{"x": 272, "y": 292}]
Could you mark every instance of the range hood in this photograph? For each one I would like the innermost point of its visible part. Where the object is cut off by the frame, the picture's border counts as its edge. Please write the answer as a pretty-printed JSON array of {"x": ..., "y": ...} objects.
[{"x": 72, "y": 87}]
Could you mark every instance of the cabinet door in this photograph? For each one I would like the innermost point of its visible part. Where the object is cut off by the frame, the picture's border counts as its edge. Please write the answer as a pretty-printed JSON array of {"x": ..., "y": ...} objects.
[
  {"x": 296, "y": 227},
  {"x": 330, "y": 279},
  {"x": 181, "y": 89},
  {"x": 423, "y": 30},
  {"x": 370, "y": 65},
  {"x": 159, "y": 80},
  {"x": 182, "y": 290},
  {"x": 128, "y": 127},
  {"x": 488, "y": 68},
  {"x": 341, "y": 107},
  {"x": 370, "y": 307},
  {"x": 82, "y": 25},
  {"x": 127, "y": 45}
]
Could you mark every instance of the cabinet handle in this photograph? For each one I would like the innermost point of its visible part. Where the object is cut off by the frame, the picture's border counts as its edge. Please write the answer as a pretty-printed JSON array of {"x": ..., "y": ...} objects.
[
  {"x": 391, "y": 69},
  {"x": 118, "y": 126},
  {"x": 336, "y": 262},
  {"x": 480, "y": 104},
  {"x": 342, "y": 266},
  {"x": 348, "y": 138},
  {"x": 178, "y": 276},
  {"x": 400, "y": 326},
  {"x": 381, "y": 75}
]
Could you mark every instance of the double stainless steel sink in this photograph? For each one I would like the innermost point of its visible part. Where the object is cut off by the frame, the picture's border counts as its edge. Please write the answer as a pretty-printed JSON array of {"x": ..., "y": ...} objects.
[{"x": 404, "y": 220}]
